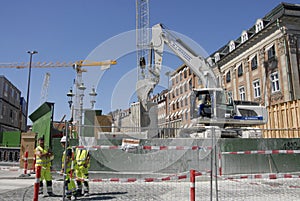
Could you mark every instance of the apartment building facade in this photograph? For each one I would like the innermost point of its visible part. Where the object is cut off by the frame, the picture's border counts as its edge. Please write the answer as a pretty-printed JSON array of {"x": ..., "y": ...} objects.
[
  {"x": 12, "y": 108},
  {"x": 179, "y": 99},
  {"x": 262, "y": 64}
]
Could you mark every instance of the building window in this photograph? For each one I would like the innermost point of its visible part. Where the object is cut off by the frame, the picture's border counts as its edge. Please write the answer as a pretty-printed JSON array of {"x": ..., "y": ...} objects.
[
  {"x": 271, "y": 53},
  {"x": 242, "y": 93},
  {"x": 190, "y": 85},
  {"x": 254, "y": 63},
  {"x": 172, "y": 80},
  {"x": 275, "y": 82},
  {"x": 5, "y": 89},
  {"x": 11, "y": 115},
  {"x": 240, "y": 70},
  {"x": 4, "y": 111},
  {"x": 228, "y": 77},
  {"x": 256, "y": 87},
  {"x": 184, "y": 74},
  {"x": 259, "y": 25},
  {"x": 244, "y": 36},
  {"x": 217, "y": 57},
  {"x": 231, "y": 46}
]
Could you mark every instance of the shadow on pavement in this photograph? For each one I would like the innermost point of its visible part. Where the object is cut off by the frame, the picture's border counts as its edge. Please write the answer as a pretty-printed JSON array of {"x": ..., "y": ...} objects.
[{"x": 101, "y": 196}]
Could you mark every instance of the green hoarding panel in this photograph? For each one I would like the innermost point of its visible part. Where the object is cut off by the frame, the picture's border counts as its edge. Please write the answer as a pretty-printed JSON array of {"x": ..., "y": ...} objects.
[
  {"x": 42, "y": 122},
  {"x": 41, "y": 111},
  {"x": 11, "y": 138}
]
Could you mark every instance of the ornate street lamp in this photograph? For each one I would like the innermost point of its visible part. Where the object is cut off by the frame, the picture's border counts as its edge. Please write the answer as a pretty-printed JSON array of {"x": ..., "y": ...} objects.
[
  {"x": 70, "y": 95},
  {"x": 81, "y": 89},
  {"x": 93, "y": 95}
]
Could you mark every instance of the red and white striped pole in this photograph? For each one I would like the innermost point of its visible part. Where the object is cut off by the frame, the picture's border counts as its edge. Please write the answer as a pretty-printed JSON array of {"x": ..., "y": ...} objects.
[
  {"x": 192, "y": 189},
  {"x": 33, "y": 164},
  {"x": 37, "y": 183},
  {"x": 220, "y": 164},
  {"x": 25, "y": 162}
]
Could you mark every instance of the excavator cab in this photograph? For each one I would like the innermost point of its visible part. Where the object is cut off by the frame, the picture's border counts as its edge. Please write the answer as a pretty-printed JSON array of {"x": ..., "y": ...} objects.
[
  {"x": 212, "y": 103},
  {"x": 215, "y": 106}
]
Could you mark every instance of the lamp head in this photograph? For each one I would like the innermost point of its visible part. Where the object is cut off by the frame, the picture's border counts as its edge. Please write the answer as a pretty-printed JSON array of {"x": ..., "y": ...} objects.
[{"x": 32, "y": 52}]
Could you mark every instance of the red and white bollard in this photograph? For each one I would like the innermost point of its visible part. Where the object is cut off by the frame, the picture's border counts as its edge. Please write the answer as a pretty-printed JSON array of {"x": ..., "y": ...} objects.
[
  {"x": 25, "y": 162},
  {"x": 192, "y": 187},
  {"x": 220, "y": 165},
  {"x": 37, "y": 183},
  {"x": 33, "y": 164}
]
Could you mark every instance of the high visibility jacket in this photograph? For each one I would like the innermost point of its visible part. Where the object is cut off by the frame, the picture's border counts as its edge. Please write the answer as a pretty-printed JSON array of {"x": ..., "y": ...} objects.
[
  {"x": 70, "y": 161},
  {"x": 82, "y": 157},
  {"x": 42, "y": 161}
]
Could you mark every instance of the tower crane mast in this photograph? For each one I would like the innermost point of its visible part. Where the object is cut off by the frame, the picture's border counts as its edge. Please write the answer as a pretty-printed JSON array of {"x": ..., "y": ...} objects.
[
  {"x": 44, "y": 92},
  {"x": 145, "y": 81}
]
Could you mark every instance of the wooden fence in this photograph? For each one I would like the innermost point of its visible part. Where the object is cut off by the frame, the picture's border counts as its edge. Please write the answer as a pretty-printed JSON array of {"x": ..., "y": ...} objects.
[{"x": 283, "y": 120}]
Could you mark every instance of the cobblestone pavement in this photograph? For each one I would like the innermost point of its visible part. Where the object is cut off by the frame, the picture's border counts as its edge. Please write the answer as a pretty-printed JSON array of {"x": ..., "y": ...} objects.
[
  {"x": 13, "y": 187},
  {"x": 260, "y": 190}
]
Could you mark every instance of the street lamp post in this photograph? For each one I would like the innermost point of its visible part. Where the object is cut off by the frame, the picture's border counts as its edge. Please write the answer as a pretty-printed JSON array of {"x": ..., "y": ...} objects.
[
  {"x": 70, "y": 96},
  {"x": 168, "y": 74},
  {"x": 28, "y": 82},
  {"x": 81, "y": 88}
]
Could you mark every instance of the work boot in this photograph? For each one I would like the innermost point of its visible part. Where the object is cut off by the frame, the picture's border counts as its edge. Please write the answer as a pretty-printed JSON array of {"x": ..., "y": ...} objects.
[
  {"x": 79, "y": 193},
  {"x": 73, "y": 197},
  {"x": 50, "y": 194},
  {"x": 86, "y": 194}
]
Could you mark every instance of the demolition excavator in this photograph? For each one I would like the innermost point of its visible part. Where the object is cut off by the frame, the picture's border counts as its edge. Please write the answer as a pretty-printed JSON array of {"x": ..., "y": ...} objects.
[{"x": 222, "y": 111}]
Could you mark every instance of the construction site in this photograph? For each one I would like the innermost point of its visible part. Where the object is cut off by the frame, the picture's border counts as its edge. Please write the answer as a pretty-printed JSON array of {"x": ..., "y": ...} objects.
[{"x": 230, "y": 117}]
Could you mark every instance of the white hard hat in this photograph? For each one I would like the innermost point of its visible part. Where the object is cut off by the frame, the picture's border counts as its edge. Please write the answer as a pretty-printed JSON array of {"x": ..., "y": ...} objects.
[{"x": 63, "y": 139}]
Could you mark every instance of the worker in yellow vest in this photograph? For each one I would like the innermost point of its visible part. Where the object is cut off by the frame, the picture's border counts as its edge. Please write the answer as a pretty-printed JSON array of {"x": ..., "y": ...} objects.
[
  {"x": 69, "y": 159},
  {"x": 82, "y": 157},
  {"x": 43, "y": 159}
]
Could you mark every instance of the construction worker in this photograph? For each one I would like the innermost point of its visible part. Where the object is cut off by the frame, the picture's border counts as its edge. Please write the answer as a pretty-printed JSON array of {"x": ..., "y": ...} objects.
[
  {"x": 82, "y": 157},
  {"x": 206, "y": 103},
  {"x": 68, "y": 158},
  {"x": 43, "y": 159}
]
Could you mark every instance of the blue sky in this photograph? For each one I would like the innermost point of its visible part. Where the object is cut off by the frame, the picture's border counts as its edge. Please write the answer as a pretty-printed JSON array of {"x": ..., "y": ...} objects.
[{"x": 71, "y": 30}]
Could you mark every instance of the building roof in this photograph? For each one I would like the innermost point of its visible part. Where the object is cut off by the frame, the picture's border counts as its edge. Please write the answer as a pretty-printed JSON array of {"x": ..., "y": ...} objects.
[{"x": 283, "y": 9}]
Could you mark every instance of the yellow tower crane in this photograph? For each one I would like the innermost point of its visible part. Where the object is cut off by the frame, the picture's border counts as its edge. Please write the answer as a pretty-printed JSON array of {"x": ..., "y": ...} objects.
[{"x": 77, "y": 66}]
